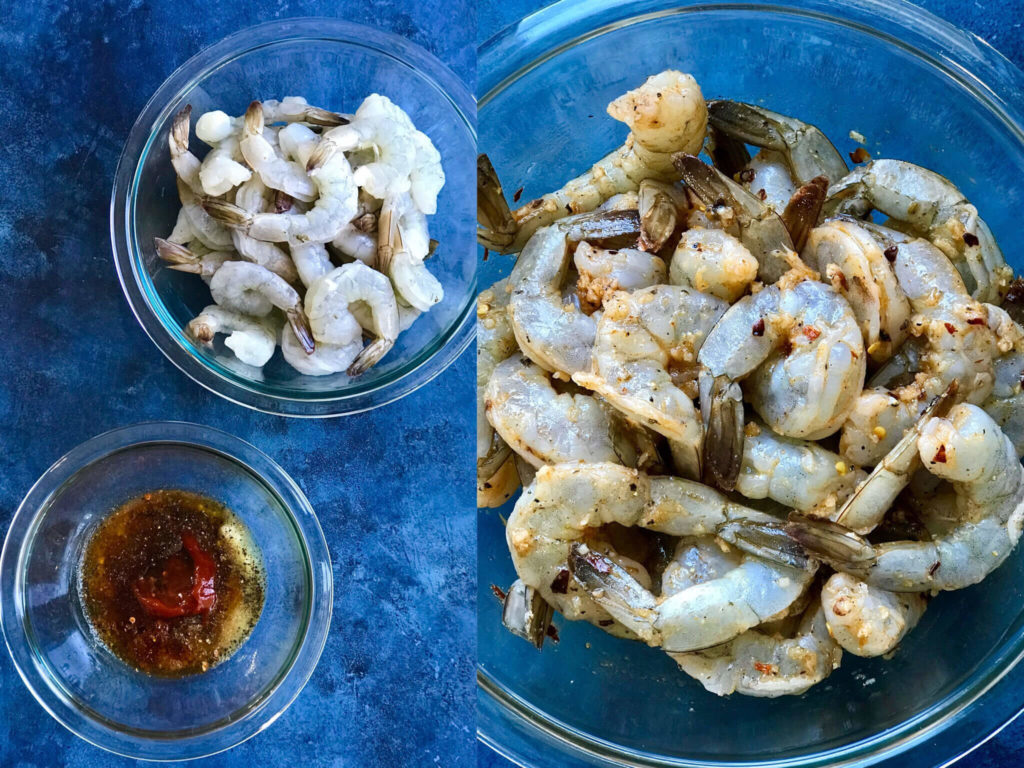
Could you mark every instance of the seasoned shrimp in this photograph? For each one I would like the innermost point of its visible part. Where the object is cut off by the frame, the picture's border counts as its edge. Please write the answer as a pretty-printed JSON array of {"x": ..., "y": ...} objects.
[
  {"x": 251, "y": 197},
  {"x": 254, "y": 290},
  {"x": 252, "y": 339},
  {"x": 541, "y": 424},
  {"x": 767, "y": 175},
  {"x": 555, "y": 335},
  {"x": 797, "y": 348},
  {"x": 328, "y": 301},
  {"x": 760, "y": 228},
  {"x": 566, "y": 501},
  {"x": 335, "y": 206},
  {"x": 665, "y": 115},
  {"x": 970, "y": 451},
  {"x": 603, "y": 272},
  {"x": 323, "y": 361},
  {"x": 403, "y": 244},
  {"x": 930, "y": 206},
  {"x": 1006, "y": 404},
  {"x": 807, "y": 151},
  {"x": 856, "y": 264},
  {"x": 645, "y": 343},
  {"x": 274, "y": 170},
  {"x": 182, "y": 259},
  {"x": 713, "y": 261},
  {"x": 866, "y": 620},
  {"x": 495, "y": 341}
]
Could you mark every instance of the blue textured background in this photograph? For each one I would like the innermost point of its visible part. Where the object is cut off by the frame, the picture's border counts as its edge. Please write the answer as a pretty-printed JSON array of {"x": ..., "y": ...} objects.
[
  {"x": 1000, "y": 23},
  {"x": 393, "y": 487}
]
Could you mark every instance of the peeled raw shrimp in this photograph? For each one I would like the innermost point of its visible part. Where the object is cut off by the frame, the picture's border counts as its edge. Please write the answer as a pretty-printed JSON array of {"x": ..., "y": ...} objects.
[
  {"x": 665, "y": 115},
  {"x": 555, "y": 335},
  {"x": 206, "y": 229},
  {"x": 222, "y": 168},
  {"x": 603, "y": 272},
  {"x": 645, "y": 343},
  {"x": 251, "y": 197},
  {"x": 930, "y": 206},
  {"x": 757, "y": 224},
  {"x": 327, "y": 305},
  {"x": 326, "y": 359},
  {"x": 182, "y": 233},
  {"x": 274, "y": 170},
  {"x": 866, "y": 620},
  {"x": 856, "y": 264},
  {"x": 797, "y": 348},
  {"x": 541, "y": 424},
  {"x": 970, "y": 451},
  {"x": 252, "y": 339},
  {"x": 335, "y": 207},
  {"x": 185, "y": 164},
  {"x": 403, "y": 244},
  {"x": 566, "y": 502},
  {"x": 254, "y": 290},
  {"x": 713, "y": 261},
  {"x": 182, "y": 259},
  {"x": 1006, "y": 404}
]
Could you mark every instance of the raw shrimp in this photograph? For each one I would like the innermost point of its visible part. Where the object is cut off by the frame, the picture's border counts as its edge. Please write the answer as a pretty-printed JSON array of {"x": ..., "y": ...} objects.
[
  {"x": 665, "y": 115},
  {"x": 402, "y": 247},
  {"x": 555, "y": 335},
  {"x": 334, "y": 208},
  {"x": 767, "y": 175},
  {"x": 866, "y": 620},
  {"x": 311, "y": 261},
  {"x": 495, "y": 341},
  {"x": 274, "y": 170},
  {"x": 295, "y": 109},
  {"x": 566, "y": 501},
  {"x": 760, "y": 228},
  {"x": 1006, "y": 404},
  {"x": 222, "y": 168},
  {"x": 324, "y": 360},
  {"x": 603, "y": 272},
  {"x": 970, "y": 451},
  {"x": 645, "y": 344},
  {"x": 206, "y": 229},
  {"x": 928, "y": 205},
  {"x": 255, "y": 290},
  {"x": 795, "y": 473},
  {"x": 497, "y": 488},
  {"x": 328, "y": 301},
  {"x": 797, "y": 349},
  {"x": 182, "y": 259},
  {"x": 541, "y": 424},
  {"x": 713, "y": 261},
  {"x": 185, "y": 164},
  {"x": 951, "y": 340},
  {"x": 807, "y": 151},
  {"x": 854, "y": 262},
  {"x": 182, "y": 233},
  {"x": 252, "y": 339},
  {"x": 251, "y": 197}
]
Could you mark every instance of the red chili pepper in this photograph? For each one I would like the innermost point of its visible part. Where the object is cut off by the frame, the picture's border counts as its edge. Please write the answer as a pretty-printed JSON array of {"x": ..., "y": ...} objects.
[{"x": 203, "y": 596}]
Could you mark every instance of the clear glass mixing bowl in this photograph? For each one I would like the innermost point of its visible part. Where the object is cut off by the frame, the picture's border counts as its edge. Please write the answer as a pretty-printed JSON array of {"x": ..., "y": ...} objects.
[
  {"x": 332, "y": 63},
  {"x": 77, "y": 679},
  {"x": 917, "y": 89}
]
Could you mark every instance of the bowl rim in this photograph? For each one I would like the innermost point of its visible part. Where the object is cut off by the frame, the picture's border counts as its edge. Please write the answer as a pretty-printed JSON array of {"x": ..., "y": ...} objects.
[
  {"x": 407, "y": 378},
  {"x": 302, "y": 662},
  {"x": 523, "y": 733}
]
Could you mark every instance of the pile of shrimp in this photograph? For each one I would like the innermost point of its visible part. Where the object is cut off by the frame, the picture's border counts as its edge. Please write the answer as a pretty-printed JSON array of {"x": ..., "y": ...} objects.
[
  {"x": 762, "y": 408},
  {"x": 310, "y": 228}
]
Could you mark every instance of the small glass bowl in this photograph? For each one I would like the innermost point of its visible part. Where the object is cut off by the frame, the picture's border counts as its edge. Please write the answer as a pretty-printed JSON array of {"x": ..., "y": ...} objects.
[
  {"x": 917, "y": 89},
  {"x": 335, "y": 64},
  {"x": 77, "y": 679}
]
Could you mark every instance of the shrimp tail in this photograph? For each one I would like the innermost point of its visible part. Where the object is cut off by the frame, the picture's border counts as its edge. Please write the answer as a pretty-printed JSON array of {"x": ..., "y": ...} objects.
[
  {"x": 227, "y": 213},
  {"x": 324, "y": 117},
  {"x": 804, "y": 208},
  {"x": 179, "y": 130},
  {"x": 723, "y": 424},
  {"x": 322, "y": 152},
  {"x": 201, "y": 331},
  {"x": 496, "y": 228},
  {"x": 254, "y": 118},
  {"x": 612, "y": 586},
  {"x": 526, "y": 614},
  {"x": 658, "y": 216},
  {"x": 177, "y": 256},
  {"x": 837, "y": 545},
  {"x": 390, "y": 240},
  {"x": 300, "y": 325},
  {"x": 282, "y": 202},
  {"x": 370, "y": 356},
  {"x": 769, "y": 541}
]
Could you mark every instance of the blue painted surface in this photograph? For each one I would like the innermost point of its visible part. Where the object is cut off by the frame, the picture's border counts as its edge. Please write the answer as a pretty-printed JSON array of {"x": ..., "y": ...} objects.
[
  {"x": 1000, "y": 23},
  {"x": 392, "y": 487}
]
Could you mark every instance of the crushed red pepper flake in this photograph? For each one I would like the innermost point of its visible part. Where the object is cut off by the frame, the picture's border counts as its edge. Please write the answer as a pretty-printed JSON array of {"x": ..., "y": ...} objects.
[
  {"x": 891, "y": 252},
  {"x": 950, "y": 327},
  {"x": 971, "y": 239},
  {"x": 940, "y": 455},
  {"x": 758, "y": 328},
  {"x": 811, "y": 332},
  {"x": 860, "y": 155},
  {"x": 498, "y": 593}
]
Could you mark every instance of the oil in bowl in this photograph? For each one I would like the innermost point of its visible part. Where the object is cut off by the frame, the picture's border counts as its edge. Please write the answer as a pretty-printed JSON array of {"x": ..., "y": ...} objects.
[{"x": 172, "y": 583}]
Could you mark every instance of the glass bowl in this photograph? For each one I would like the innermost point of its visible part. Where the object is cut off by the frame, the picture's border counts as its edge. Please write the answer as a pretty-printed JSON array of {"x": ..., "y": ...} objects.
[
  {"x": 917, "y": 89},
  {"x": 78, "y": 680},
  {"x": 335, "y": 64}
]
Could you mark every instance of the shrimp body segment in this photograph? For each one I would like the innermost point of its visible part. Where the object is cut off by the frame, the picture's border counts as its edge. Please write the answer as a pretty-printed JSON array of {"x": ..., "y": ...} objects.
[{"x": 252, "y": 339}]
